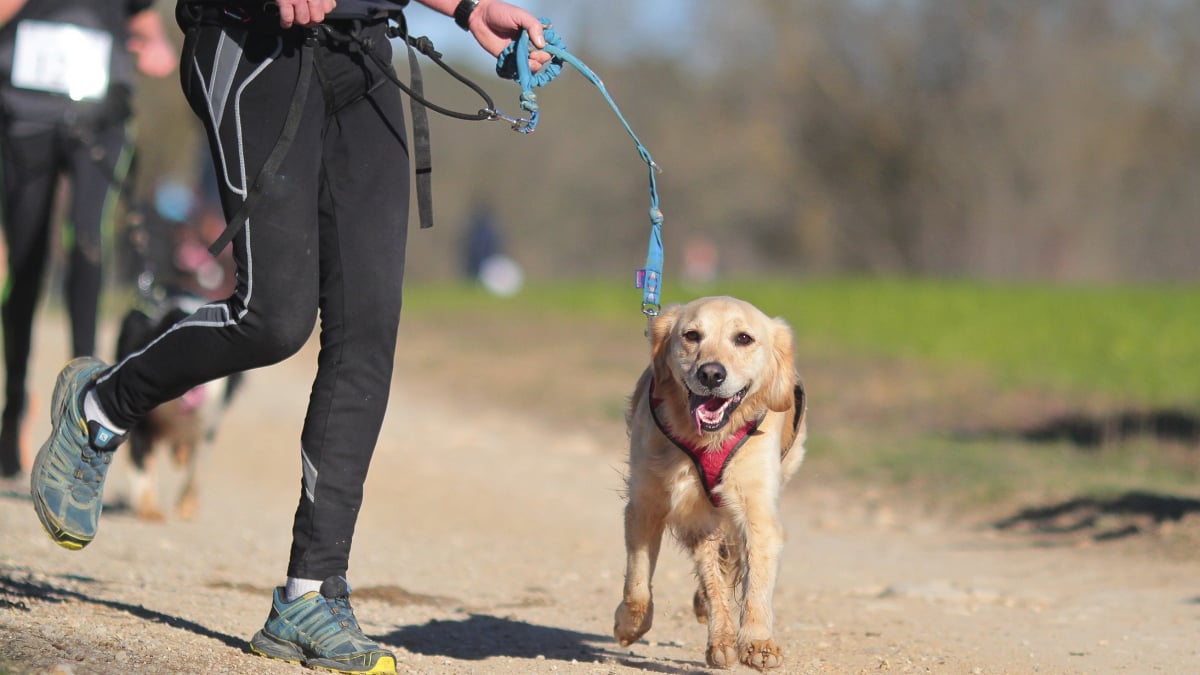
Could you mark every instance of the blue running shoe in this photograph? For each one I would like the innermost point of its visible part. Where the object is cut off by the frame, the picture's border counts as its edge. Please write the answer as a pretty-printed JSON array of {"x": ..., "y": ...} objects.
[
  {"x": 67, "y": 481},
  {"x": 318, "y": 630}
]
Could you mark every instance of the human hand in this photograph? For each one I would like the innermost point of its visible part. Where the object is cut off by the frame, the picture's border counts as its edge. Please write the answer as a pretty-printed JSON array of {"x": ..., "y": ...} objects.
[
  {"x": 495, "y": 24},
  {"x": 155, "y": 54},
  {"x": 303, "y": 12},
  {"x": 155, "y": 58}
]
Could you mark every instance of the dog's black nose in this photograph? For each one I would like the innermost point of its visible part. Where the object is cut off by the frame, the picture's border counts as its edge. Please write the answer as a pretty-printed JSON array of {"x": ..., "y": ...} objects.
[{"x": 711, "y": 375}]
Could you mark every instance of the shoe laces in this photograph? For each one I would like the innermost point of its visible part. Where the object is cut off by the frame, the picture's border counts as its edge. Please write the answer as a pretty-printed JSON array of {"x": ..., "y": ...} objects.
[
  {"x": 342, "y": 611},
  {"x": 94, "y": 465}
]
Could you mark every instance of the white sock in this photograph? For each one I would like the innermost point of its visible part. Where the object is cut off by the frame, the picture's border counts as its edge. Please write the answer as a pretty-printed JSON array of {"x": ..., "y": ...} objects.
[
  {"x": 93, "y": 413},
  {"x": 298, "y": 587}
]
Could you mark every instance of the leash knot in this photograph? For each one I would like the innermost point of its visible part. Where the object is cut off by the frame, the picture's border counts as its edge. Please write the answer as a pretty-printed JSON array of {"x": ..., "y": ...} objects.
[
  {"x": 529, "y": 102},
  {"x": 425, "y": 46}
]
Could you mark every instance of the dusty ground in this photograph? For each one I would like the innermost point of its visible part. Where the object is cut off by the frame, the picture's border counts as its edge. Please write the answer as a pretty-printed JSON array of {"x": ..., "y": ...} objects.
[{"x": 490, "y": 542}]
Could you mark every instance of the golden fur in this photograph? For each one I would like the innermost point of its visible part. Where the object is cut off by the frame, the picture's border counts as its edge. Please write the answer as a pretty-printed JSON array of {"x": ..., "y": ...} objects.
[{"x": 735, "y": 546}]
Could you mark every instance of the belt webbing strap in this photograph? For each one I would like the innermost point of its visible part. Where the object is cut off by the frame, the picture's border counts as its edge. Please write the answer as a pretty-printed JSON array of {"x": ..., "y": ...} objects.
[
  {"x": 423, "y": 156},
  {"x": 291, "y": 125}
]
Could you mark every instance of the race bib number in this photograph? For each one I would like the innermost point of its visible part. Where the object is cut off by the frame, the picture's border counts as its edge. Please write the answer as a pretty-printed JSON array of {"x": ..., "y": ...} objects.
[{"x": 62, "y": 58}]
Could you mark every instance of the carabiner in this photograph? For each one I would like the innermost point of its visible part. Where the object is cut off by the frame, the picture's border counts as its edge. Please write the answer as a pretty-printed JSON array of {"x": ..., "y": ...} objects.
[{"x": 519, "y": 124}]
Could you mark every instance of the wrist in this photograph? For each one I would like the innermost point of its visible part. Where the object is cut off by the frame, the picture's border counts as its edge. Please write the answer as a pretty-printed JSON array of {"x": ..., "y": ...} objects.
[{"x": 463, "y": 11}]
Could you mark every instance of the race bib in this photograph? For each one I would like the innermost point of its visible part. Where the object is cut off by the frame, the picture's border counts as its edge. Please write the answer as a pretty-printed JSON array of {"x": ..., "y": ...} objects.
[{"x": 62, "y": 58}]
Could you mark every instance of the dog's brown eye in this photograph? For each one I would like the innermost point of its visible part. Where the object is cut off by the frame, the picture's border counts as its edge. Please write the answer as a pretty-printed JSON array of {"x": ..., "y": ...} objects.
[
  {"x": 743, "y": 339},
  {"x": 691, "y": 335}
]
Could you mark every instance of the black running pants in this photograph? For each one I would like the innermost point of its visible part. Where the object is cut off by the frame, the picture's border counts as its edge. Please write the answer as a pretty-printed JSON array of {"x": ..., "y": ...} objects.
[
  {"x": 36, "y": 154},
  {"x": 325, "y": 240}
]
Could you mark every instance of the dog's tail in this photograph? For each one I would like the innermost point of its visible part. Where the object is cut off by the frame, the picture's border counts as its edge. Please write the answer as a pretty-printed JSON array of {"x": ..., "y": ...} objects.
[{"x": 232, "y": 384}]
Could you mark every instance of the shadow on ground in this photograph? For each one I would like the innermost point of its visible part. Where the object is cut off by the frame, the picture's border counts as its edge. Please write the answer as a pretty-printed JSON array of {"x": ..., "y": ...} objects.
[
  {"x": 1102, "y": 519},
  {"x": 482, "y": 636},
  {"x": 1093, "y": 432},
  {"x": 19, "y": 587}
]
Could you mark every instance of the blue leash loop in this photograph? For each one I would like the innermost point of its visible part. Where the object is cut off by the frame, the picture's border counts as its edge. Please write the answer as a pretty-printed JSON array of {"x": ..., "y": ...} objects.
[{"x": 513, "y": 64}]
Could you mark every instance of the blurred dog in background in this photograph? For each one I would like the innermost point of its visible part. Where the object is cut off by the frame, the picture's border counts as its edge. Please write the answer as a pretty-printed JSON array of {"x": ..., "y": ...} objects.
[{"x": 184, "y": 428}]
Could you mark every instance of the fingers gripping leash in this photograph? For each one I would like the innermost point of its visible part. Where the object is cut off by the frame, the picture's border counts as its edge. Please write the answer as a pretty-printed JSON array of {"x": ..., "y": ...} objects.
[{"x": 513, "y": 64}]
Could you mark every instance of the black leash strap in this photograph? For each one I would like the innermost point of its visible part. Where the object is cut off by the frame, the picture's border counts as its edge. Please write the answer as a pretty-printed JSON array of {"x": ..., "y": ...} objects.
[
  {"x": 421, "y": 144},
  {"x": 291, "y": 125},
  {"x": 420, "y": 106}
]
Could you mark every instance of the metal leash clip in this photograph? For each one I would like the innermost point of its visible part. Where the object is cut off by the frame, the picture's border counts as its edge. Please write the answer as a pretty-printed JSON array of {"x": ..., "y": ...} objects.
[{"x": 518, "y": 123}]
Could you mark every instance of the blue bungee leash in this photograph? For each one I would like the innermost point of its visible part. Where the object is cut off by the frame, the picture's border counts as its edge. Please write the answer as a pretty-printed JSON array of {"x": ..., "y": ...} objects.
[{"x": 513, "y": 64}]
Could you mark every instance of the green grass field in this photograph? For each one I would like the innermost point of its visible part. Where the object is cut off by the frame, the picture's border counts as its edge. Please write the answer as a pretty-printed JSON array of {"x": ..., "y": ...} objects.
[{"x": 1141, "y": 344}]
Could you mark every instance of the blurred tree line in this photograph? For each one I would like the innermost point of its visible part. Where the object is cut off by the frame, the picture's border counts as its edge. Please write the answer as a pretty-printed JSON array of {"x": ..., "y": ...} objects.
[{"x": 1054, "y": 140}]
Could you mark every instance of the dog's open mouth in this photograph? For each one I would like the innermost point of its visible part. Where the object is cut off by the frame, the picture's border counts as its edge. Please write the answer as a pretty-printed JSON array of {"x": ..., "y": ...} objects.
[{"x": 712, "y": 412}]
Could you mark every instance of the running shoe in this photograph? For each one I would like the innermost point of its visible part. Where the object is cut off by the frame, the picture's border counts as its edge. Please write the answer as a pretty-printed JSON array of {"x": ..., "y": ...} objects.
[
  {"x": 318, "y": 630},
  {"x": 67, "y": 480}
]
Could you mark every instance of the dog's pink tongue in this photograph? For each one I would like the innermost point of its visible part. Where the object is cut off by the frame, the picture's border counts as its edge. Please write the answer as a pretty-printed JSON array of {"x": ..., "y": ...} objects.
[{"x": 710, "y": 412}]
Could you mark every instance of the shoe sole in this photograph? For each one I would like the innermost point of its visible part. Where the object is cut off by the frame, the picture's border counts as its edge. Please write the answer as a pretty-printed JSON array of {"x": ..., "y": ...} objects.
[
  {"x": 58, "y": 406},
  {"x": 273, "y": 648},
  {"x": 386, "y": 665}
]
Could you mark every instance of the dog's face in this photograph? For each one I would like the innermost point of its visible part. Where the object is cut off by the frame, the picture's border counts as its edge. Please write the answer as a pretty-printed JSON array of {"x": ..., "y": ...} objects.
[{"x": 731, "y": 360}]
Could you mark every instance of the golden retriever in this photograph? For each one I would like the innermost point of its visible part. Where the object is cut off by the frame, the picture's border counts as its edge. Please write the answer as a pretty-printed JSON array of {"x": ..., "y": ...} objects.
[{"x": 716, "y": 427}]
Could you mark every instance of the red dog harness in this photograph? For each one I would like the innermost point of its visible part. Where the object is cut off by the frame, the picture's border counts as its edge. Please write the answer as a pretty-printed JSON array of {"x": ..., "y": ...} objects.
[{"x": 710, "y": 464}]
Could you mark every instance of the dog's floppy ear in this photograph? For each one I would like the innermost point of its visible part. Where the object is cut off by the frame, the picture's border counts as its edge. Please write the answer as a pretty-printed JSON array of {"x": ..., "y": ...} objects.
[
  {"x": 781, "y": 396},
  {"x": 659, "y": 333},
  {"x": 796, "y": 428},
  {"x": 137, "y": 331}
]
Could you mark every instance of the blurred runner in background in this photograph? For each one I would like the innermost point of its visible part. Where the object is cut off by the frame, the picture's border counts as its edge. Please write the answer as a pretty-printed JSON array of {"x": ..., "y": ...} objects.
[{"x": 66, "y": 81}]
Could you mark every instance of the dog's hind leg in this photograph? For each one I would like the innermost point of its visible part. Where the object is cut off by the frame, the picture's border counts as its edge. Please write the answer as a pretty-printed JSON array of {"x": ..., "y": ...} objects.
[
  {"x": 731, "y": 572},
  {"x": 142, "y": 480},
  {"x": 764, "y": 543},
  {"x": 717, "y": 594},
  {"x": 186, "y": 458},
  {"x": 700, "y": 604},
  {"x": 644, "y": 526}
]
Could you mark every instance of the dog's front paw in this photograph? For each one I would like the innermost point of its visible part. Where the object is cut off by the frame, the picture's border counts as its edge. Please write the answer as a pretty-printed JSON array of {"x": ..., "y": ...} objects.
[
  {"x": 631, "y": 622},
  {"x": 762, "y": 654},
  {"x": 721, "y": 654},
  {"x": 146, "y": 507}
]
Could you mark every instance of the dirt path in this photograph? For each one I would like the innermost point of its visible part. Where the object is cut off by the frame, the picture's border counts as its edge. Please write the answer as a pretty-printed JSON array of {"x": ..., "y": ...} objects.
[{"x": 491, "y": 543}]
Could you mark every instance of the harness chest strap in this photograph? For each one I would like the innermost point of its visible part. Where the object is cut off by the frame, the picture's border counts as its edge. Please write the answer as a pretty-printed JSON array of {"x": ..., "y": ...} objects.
[{"x": 710, "y": 465}]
